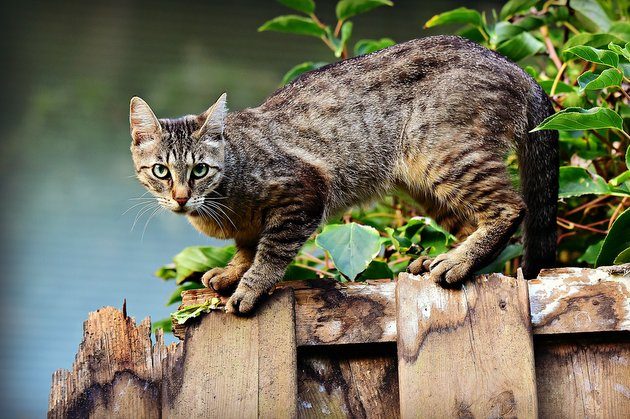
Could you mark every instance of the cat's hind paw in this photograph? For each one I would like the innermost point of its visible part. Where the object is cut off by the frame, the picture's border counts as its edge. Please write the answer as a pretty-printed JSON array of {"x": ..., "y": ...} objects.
[
  {"x": 243, "y": 301},
  {"x": 450, "y": 269}
]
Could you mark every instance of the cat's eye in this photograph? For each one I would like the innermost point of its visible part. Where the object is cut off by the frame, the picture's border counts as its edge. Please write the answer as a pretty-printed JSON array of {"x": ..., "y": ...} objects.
[
  {"x": 160, "y": 171},
  {"x": 200, "y": 170}
]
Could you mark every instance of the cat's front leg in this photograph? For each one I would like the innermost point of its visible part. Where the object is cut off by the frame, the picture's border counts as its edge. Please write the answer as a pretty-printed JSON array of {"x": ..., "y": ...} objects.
[
  {"x": 225, "y": 280},
  {"x": 286, "y": 230}
]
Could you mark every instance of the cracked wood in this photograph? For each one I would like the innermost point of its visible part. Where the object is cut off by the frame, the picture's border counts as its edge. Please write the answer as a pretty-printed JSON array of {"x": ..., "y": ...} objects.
[{"x": 466, "y": 352}]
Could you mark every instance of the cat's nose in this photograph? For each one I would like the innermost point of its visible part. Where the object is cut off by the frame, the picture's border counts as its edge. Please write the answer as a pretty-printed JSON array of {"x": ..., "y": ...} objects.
[{"x": 181, "y": 201}]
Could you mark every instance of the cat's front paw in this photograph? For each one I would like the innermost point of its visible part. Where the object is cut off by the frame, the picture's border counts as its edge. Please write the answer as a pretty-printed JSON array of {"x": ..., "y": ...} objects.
[
  {"x": 450, "y": 269},
  {"x": 244, "y": 300},
  {"x": 222, "y": 280},
  {"x": 419, "y": 265}
]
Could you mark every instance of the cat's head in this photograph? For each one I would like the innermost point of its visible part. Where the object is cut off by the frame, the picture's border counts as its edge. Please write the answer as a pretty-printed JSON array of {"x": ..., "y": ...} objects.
[{"x": 180, "y": 161}]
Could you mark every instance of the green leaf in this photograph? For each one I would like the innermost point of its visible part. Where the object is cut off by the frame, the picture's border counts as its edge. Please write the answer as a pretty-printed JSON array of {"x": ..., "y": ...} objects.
[
  {"x": 377, "y": 270},
  {"x": 300, "y": 69},
  {"x": 577, "y": 181},
  {"x": 503, "y": 31},
  {"x": 167, "y": 272},
  {"x": 623, "y": 257},
  {"x": 577, "y": 119},
  {"x": 617, "y": 241},
  {"x": 520, "y": 47},
  {"x": 621, "y": 30},
  {"x": 474, "y": 33},
  {"x": 591, "y": 252},
  {"x": 176, "y": 296},
  {"x": 461, "y": 15},
  {"x": 199, "y": 259},
  {"x": 513, "y": 7},
  {"x": 510, "y": 252},
  {"x": 591, "y": 12},
  {"x": 621, "y": 51},
  {"x": 186, "y": 313},
  {"x": 597, "y": 40},
  {"x": 618, "y": 180},
  {"x": 367, "y": 46},
  {"x": 293, "y": 24},
  {"x": 529, "y": 23},
  {"x": 607, "y": 78},
  {"x": 295, "y": 272},
  {"x": 347, "y": 8},
  {"x": 561, "y": 87},
  {"x": 346, "y": 33},
  {"x": 416, "y": 224},
  {"x": 304, "y": 6},
  {"x": 594, "y": 55},
  {"x": 165, "y": 324},
  {"x": 351, "y": 246},
  {"x": 628, "y": 157}
]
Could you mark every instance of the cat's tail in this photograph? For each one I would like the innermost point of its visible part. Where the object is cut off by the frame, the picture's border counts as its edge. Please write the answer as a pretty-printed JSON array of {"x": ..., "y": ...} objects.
[{"x": 538, "y": 166}]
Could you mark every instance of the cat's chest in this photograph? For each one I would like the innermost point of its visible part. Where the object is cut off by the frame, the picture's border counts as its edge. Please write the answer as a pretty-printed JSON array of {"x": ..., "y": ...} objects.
[
  {"x": 219, "y": 228},
  {"x": 223, "y": 228}
]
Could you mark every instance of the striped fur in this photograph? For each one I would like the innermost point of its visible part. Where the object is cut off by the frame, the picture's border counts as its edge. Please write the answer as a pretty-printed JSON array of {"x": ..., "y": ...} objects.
[{"x": 434, "y": 116}]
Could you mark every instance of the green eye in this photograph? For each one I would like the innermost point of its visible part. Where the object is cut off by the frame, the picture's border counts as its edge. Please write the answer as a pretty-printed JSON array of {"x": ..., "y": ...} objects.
[
  {"x": 200, "y": 170},
  {"x": 160, "y": 171}
]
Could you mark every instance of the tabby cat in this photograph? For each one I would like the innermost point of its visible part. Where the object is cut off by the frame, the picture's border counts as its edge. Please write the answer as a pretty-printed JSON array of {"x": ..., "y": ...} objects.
[{"x": 435, "y": 116}]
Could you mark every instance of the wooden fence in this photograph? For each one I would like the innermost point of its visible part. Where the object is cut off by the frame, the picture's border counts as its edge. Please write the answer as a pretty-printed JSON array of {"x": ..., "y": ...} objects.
[{"x": 557, "y": 346}]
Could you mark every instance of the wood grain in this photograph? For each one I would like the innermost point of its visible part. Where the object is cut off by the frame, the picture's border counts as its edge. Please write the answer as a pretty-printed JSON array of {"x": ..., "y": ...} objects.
[
  {"x": 576, "y": 300},
  {"x": 277, "y": 357},
  {"x": 563, "y": 300},
  {"x": 359, "y": 313},
  {"x": 465, "y": 352},
  {"x": 238, "y": 367},
  {"x": 358, "y": 381},
  {"x": 117, "y": 371},
  {"x": 580, "y": 378}
]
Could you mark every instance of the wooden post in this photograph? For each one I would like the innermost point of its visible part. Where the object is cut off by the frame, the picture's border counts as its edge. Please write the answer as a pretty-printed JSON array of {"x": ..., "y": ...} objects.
[
  {"x": 237, "y": 367},
  {"x": 584, "y": 378},
  {"x": 117, "y": 372},
  {"x": 465, "y": 352}
]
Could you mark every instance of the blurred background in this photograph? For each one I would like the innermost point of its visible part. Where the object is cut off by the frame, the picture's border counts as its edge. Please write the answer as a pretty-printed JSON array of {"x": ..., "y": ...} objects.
[{"x": 70, "y": 69}]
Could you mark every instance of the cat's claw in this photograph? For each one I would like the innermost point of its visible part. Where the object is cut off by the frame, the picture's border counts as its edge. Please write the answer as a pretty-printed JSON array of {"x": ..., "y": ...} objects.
[
  {"x": 222, "y": 280},
  {"x": 419, "y": 265},
  {"x": 243, "y": 301},
  {"x": 449, "y": 269}
]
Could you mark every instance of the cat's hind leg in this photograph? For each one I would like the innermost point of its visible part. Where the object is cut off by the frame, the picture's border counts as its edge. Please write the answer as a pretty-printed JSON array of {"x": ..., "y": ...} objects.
[
  {"x": 455, "y": 223},
  {"x": 472, "y": 182},
  {"x": 498, "y": 210}
]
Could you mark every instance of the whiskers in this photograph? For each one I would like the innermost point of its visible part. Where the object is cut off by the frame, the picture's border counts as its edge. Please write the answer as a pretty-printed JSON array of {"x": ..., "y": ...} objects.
[
  {"x": 212, "y": 208},
  {"x": 150, "y": 205}
]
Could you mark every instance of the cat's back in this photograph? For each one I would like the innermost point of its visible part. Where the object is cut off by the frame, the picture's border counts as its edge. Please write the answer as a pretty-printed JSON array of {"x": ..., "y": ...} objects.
[{"x": 426, "y": 61}]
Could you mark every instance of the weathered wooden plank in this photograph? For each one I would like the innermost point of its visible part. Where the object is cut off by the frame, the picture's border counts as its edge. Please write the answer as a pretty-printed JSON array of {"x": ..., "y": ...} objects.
[
  {"x": 277, "y": 357},
  {"x": 465, "y": 352},
  {"x": 237, "y": 367},
  {"x": 358, "y": 381},
  {"x": 563, "y": 300},
  {"x": 359, "y": 313},
  {"x": 330, "y": 313},
  {"x": 576, "y": 300},
  {"x": 582, "y": 378},
  {"x": 117, "y": 371}
]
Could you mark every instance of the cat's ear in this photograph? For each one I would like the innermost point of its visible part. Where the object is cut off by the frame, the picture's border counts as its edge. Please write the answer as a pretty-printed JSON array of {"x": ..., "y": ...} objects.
[
  {"x": 145, "y": 126},
  {"x": 213, "y": 120}
]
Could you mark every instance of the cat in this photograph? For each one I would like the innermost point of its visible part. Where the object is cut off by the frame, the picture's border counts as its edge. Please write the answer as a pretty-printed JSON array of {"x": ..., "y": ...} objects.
[{"x": 434, "y": 116}]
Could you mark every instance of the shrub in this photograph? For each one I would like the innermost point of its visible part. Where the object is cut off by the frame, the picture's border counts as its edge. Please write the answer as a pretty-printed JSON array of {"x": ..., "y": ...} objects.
[{"x": 578, "y": 52}]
